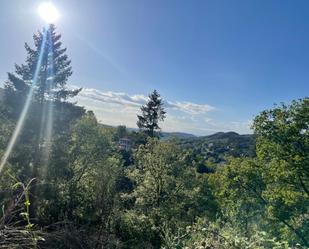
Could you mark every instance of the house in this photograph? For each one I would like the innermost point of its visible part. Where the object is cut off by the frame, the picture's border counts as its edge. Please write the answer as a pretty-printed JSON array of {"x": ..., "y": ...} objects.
[{"x": 125, "y": 144}]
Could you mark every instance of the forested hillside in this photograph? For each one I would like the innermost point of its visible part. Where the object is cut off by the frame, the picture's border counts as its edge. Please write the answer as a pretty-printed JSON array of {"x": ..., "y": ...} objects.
[
  {"x": 219, "y": 146},
  {"x": 67, "y": 181}
]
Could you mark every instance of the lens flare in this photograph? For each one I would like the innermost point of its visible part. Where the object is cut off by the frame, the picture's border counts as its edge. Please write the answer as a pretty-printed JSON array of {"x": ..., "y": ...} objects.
[
  {"x": 48, "y": 12},
  {"x": 47, "y": 111},
  {"x": 24, "y": 112}
]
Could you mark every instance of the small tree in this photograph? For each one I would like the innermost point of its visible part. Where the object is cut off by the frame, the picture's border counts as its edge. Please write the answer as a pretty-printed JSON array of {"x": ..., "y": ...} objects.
[
  {"x": 158, "y": 174},
  {"x": 152, "y": 113}
]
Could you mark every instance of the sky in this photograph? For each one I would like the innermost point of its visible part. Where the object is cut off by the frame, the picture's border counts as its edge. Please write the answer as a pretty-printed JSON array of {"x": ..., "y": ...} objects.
[{"x": 216, "y": 63}]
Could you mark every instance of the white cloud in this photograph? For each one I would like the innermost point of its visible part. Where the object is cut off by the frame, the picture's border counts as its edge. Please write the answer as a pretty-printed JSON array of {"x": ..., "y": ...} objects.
[
  {"x": 116, "y": 108},
  {"x": 138, "y": 100},
  {"x": 190, "y": 108}
]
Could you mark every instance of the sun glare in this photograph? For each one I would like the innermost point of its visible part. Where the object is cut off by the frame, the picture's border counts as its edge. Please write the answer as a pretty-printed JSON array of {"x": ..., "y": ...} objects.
[{"x": 48, "y": 12}]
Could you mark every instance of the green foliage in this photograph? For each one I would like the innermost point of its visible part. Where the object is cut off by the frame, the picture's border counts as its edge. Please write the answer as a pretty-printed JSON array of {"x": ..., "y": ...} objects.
[
  {"x": 220, "y": 235},
  {"x": 168, "y": 194},
  {"x": 283, "y": 148},
  {"x": 239, "y": 187},
  {"x": 271, "y": 191},
  {"x": 85, "y": 190}
]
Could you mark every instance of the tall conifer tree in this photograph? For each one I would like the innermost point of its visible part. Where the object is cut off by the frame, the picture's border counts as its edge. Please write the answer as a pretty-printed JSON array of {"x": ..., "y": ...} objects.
[
  {"x": 152, "y": 113},
  {"x": 47, "y": 69}
]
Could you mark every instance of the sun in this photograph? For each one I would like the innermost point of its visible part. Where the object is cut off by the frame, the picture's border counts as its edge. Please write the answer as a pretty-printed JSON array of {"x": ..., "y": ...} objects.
[{"x": 48, "y": 12}]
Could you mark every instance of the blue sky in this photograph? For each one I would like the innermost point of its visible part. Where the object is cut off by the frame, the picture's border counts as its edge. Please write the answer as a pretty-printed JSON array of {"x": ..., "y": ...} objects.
[{"x": 217, "y": 63}]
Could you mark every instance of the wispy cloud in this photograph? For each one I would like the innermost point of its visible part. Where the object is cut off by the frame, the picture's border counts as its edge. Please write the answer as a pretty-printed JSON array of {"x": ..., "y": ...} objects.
[
  {"x": 138, "y": 100},
  {"x": 116, "y": 108},
  {"x": 190, "y": 108}
]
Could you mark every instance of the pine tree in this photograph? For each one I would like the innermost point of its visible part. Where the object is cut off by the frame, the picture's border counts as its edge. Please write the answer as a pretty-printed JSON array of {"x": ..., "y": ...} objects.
[
  {"x": 152, "y": 113},
  {"x": 46, "y": 70},
  {"x": 42, "y": 81}
]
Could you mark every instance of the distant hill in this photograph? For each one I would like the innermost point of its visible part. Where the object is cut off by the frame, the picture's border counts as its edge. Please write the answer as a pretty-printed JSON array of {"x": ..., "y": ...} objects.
[
  {"x": 218, "y": 146},
  {"x": 170, "y": 135},
  {"x": 178, "y": 135}
]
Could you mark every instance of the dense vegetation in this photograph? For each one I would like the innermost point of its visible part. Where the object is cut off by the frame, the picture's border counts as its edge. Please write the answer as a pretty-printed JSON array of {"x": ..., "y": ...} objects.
[{"x": 68, "y": 184}]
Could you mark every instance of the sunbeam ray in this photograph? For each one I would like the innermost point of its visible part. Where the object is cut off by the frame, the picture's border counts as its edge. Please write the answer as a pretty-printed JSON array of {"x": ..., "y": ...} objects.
[
  {"x": 24, "y": 112},
  {"x": 48, "y": 108}
]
